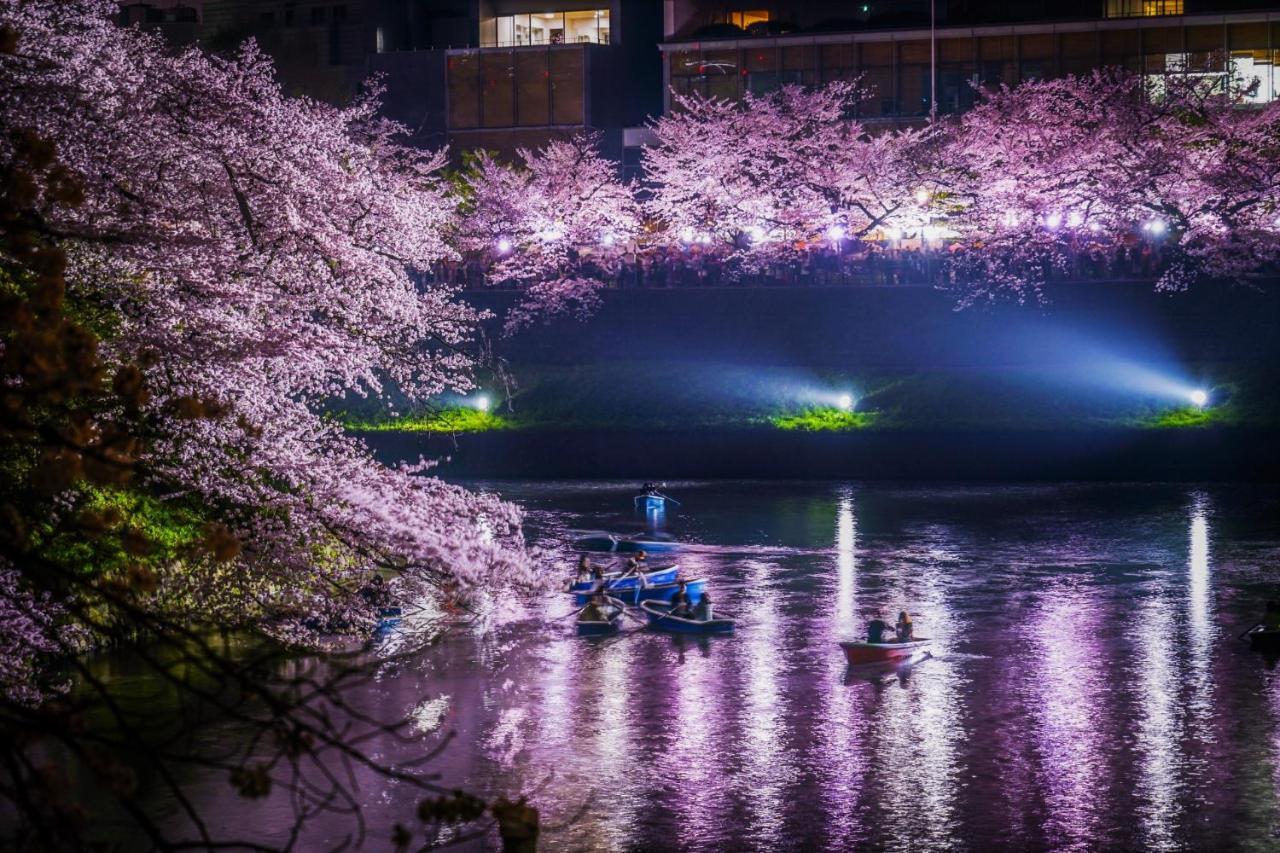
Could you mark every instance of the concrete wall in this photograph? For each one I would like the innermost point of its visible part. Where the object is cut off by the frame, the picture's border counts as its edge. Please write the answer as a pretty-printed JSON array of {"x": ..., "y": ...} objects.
[{"x": 911, "y": 327}]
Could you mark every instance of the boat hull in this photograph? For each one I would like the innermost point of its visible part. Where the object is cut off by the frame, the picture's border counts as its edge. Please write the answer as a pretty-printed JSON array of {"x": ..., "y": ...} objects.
[
  {"x": 666, "y": 574},
  {"x": 624, "y": 546},
  {"x": 600, "y": 628},
  {"x": 861, "y": 654},
  {"x": 1261, "y": 638},
  {"x": 660, "y": 619},
  {"x": 661, "y": 592}
]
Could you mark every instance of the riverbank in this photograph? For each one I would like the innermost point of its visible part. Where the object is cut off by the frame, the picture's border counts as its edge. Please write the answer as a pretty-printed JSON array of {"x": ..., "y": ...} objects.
[{"x": 1220, "y": 454}]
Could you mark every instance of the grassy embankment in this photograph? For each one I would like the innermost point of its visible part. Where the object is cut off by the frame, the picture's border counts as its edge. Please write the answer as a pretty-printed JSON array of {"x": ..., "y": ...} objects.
[{"x": 681, "y": 396}]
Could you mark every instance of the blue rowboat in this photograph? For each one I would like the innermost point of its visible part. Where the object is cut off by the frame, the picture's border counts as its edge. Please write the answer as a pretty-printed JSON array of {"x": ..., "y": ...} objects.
[
  {"x": 650, "y": 503},
  {"x": 659, "y": 615},
  {"x": 617, "y": 544},
  {"x": 614, "y": 582},
  {"x": 661, "y": 592},
  {"x": 599, "y": 627}
]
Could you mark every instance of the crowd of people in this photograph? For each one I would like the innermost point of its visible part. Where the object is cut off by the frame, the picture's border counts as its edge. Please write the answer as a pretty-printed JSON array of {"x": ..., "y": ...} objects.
[{"x": 850, "y": 263}]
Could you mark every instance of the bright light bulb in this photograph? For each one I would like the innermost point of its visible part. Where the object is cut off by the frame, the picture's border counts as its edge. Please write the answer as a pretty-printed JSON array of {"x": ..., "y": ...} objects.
[
  {"x": 1199, "y": 398},
  {"x": 1053, "y": 221},
  {"x": 922, "y": 196},
  {"x": 704, "y": 239},
  {"x": 835, "y": 232},
  {"x": 1075, "y": 219},
  {"x": 482, "y": 402},
  {"x": 503, "y": 245},
  {"x": 1156, "y": 226},
  {"x": 1095, "y": 227},
  {"x": 845, "y": 401},
  {"x": 606, "y": 239},
  {"x": 686, "y": 235},
  {"x": 755, "y": 234}
]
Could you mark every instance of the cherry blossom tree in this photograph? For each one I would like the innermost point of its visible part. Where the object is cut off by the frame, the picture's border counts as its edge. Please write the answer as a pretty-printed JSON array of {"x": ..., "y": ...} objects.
[
  {"x": 790, "y": 168},
  {"x": 555, "y": 223},
  {"x": 191, "y": 263},
  {"x": 261, "y": 248},
  {"x": 1179, "y": 161}
]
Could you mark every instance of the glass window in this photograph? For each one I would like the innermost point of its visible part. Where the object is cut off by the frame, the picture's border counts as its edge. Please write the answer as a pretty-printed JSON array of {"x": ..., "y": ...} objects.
[
  {"x": 747, "y": 18},
  {"x": 546, "y": 28},
  {"x": 581, "y": 27},
  {"x": 1257, "y": 68},
  {"x": 590, "y": 27},
  {"x": 1143, "y": 8}
]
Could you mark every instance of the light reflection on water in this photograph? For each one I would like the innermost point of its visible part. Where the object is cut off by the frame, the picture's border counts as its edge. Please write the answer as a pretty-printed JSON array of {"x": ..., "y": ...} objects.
[{"x": 1086, "y": 691}]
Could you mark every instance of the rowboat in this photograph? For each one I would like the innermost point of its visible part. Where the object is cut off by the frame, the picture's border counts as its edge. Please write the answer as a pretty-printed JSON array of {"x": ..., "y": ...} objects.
[
  {"x": 621, "y": 545},
  {"x": 660, "y": 592},
  {"x": 879, "y": 672},
  {"x": 614, "y": 582},
  {"x": 653, "y": 501},
  {"x": 1261, "y": 638},
  {"x": 599, "y": 627},
  {"x": 859, "y": 654},
  {"x": 659, "y": 615}
]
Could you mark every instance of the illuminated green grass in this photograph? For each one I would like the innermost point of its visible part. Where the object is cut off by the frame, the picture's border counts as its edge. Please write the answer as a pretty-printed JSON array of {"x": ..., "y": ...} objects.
[
  {"x": 447, "y": 421},
  {"x": 1187, "y": 417},
  {"x": 824, "y": 420}
]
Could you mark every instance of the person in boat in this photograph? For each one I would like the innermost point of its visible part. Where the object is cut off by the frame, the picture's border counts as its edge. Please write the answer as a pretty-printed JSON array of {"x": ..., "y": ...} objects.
[
  {"x": 1271, "y": 617},
  {"x": 904, "y": 628},
  {"x": 878, "y": 631},
  {"x": 597, "y": 609},
  {"x": 589, "y": 571},
  {"x": 703, "y": 611},
  {"x": 636, "y": 568},
  {"x": 375, "y": 592},
  {"x": 650, "y": 489},
  {"x": 680, "y": 604}
]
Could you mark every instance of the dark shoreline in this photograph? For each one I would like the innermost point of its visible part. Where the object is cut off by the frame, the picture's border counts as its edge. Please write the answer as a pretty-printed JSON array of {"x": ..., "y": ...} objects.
[{"x": 1181, "y": 455}]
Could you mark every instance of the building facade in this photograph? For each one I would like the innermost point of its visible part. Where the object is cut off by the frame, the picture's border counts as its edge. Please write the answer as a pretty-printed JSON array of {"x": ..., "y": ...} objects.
[
  {"x": 531, "y": 71},
  {"x": 505, "y": 74},
  {"x": 899, "y": 65}
]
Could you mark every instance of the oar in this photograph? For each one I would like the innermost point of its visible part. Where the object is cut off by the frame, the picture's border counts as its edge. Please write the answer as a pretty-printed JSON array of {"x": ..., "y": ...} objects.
[
  {"x": 669, "y": 498},
  {"x": 574, "y": 613},
  {"x": 1246, "y": 631}
]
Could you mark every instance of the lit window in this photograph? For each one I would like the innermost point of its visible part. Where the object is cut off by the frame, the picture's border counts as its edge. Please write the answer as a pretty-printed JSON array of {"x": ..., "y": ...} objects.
[
  {"x": 590, "y": 26},
  {"x": 1143, "y": 8},
  {"x": 746, "y": 19}
]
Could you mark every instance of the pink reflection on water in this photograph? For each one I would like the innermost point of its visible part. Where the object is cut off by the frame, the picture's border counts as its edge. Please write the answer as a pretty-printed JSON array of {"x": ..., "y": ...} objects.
[
  {"x": 695, "y": 759},
  {"x": 846, "y": 562},
  {"x": 1202, "y": 633},
  {"x": 917, "y": 726},
  {"x": 1069, "y": 690},
  {"x": 766, "y": 762},
  {"x": 838, "y": 753},
  {"x": 1176, "y": 696}
]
